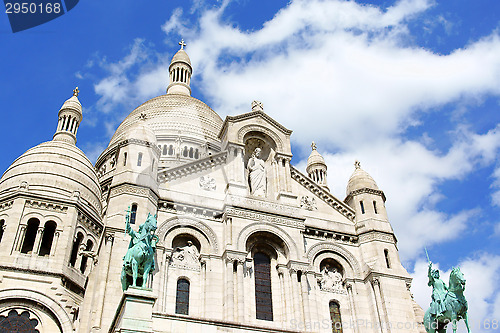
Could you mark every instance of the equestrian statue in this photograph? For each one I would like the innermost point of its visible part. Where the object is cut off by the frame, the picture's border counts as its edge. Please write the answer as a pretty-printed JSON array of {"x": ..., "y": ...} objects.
[
  {"x": 139, "y": 260},
  {"x": 448, "y": 302}
]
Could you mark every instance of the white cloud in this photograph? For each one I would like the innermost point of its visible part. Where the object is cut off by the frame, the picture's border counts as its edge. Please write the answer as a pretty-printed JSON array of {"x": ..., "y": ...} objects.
[
  {"x": 346, "y": 76},
  {"x": 483, "y": 279}
]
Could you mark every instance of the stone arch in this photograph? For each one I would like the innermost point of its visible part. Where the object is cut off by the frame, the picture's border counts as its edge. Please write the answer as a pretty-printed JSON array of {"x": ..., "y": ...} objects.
[
  {"x": 49, "y": 304},
  {"x": 259, "y": 128},
  {"x": 251, "y": 228},
  {"x": 28, "y": 216},
  {"x": 340, "y": 254},
  {"x": 194, "y": 224}
]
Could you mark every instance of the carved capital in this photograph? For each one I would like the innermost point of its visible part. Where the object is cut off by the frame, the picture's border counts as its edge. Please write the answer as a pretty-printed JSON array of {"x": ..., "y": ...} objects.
[
  {"x": 348, "y": 287},
  {"x": 376, "y": 282},
  {"x": 109, "y": 237}
]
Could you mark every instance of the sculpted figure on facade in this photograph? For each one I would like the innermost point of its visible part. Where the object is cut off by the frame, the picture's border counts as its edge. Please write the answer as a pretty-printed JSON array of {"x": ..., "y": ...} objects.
[
  {"x": 331, "y": 279},
  {"x": 308, "y": 203},
  {"x": 208, "y": 183},
  {"x": 187, "y": 255},
  {"x": 257, "y": 174}
]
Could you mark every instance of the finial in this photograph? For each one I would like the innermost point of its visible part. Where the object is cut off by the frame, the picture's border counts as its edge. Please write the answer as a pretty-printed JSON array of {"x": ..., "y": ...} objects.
[
  {"x": 257, "y": 106},
  {"x": 357, "y": 164},
  {"x": 313, "y": 145},
  {"x": 182, "y": 44},
  {"x": 76, "y": 92}
]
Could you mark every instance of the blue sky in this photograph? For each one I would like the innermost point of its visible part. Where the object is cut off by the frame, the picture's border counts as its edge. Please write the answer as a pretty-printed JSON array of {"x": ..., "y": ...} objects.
[{"x": 410, "y": 88}]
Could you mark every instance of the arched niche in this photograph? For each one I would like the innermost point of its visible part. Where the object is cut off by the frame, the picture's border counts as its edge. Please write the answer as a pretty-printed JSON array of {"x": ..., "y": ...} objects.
[
  {"x": 205, "y": 236},
  {"x": 257, "y": 139},
  {"x": 268, "y": 243},
  {"x": 320, "y": 251}
]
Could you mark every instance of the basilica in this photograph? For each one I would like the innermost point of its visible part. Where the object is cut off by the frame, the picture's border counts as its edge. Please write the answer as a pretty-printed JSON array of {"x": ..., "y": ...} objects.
[{"x": 245, "y": 242}]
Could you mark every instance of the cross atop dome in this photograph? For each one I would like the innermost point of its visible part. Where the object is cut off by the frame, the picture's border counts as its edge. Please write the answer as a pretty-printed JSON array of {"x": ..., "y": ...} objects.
[
  {"x": 76, "y": 92},
  {"x": 182, "y": 44},
  {"x": 313, "y": 145},
  {"x": 357, "y": 164}
]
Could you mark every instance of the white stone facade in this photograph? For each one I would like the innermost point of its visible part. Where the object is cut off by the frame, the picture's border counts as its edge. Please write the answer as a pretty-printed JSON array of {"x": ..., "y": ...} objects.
[{"x": 64, "y": 238}]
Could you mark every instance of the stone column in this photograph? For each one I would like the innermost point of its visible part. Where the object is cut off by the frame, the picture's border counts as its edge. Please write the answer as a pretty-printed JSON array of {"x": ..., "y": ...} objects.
[
  {"x": 380, "y": 317},
  {"x": 159, "y": 278},
  {"x": 53, "y": 246},
  {"x": 295, "y": 295},
  {"x": 229, "y": 289},
  {"x": 38, "y": 240},
  {"x": 353, "y": 307},
  {"x": 283, "y": 292},
  {"x": 305, "y": 298},
  {"x": 203, "y": 286},
  {"x": 19, "y": 241},
  {"x": 287, "y": 175},
  {"x": 241, "y": 291},
  {"x": 103, "y": 278},
  {"x": 167, "y": 256}
]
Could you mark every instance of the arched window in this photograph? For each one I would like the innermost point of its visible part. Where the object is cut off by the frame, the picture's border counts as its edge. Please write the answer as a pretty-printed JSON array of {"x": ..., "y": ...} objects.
[
  {"x": 2, "y": 227},
  {"x": 196, "y": 154},
  {"x": 47, "y": 238},
  {"x": 182, "y": 297},
  {"x": 133, "y": 213},
  {"x": 124, "y": 159},
  {"x": 15, "y": 322},
  {"x": 335, "y": 317},
  {"x": 74, "y": 250},
  {"x": 165, "y": 150},
  {"x": 375, "y": 207},
  {"x": 362, "y": 205},
  {"x": 83, "y": 265},
  {"x": 263, "y": 296},
  {"x": 185, "y": 152},
  {"x": 171, "y": 150},
  {"x": 191, "y": 152},
  {"x": 30, "y": 235},
  {"x": 387, "y": 260}
]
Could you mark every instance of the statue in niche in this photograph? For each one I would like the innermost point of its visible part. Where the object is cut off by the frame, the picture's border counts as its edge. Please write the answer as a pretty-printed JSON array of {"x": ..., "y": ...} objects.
[
  {"x": 186, "y": 255},
  {"x": 331, "y": 278},
  {"x": 257, "y": 174}
]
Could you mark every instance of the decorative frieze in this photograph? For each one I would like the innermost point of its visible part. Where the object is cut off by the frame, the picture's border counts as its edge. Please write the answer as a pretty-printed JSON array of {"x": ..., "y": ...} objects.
[
  {"x": 308, "y": 203},
  {"x": 185, "y": 209},
  {"x": 377, "y": 236},
  {"x": 323, "y": 194},
  {"x": 38, "y": 204},
  {"x": 258, "y": 216},
  {"x": 135, "y": 190},
  {"x": 256, "y": 204},
  {"x": 90, "y": 223},
  {"x": 365, "y": 190},
  {"x": 331, "y": 235},
  {"x": 6, "y": 205},
  {"x": 208, "y": 183}
]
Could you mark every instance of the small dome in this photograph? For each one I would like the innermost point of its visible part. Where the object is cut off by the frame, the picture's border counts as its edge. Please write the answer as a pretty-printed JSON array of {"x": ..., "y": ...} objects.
[
  {"x": 360, "y": 179},
  {"x": 55, "y": 169},
  {"x": 140, "y": 131},
  {"x": 315, "y": 158},
  {"x": 181, "y": 56},
  {"x": 72, "y": 104}
]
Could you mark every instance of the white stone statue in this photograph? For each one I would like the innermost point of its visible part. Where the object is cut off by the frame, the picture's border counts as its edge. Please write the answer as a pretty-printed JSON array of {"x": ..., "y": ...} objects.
[
  {"x": 331, "y": 278},
  {"x": 186, "y": 255},
  {"x": 257, "y": 174}
]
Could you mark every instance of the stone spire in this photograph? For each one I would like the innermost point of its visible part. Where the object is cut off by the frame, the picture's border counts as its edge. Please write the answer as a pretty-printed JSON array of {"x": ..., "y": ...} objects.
[
  {"x": 316, "y": 167},
  {"x": 70, "y": 117},
  {"x": 180, "y": 72}
]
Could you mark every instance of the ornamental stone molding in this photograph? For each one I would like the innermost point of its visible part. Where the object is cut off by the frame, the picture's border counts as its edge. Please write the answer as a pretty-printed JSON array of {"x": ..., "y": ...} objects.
[
  {"x": 50, "y": 206},
  {"x": 190, "y": 168},
  {"x": 208, "y": 183},
  {"x": 328, "y": 246},
  {"x": 365, "y": 190},
  {"x": 308, "y": 203},
  {"x": 64, "y": 321},
  {"x": 135, "y": 190},
  {"x": 377, "y": 236},
  {"x": 90, "y": 223},
  {"x": 323, "y": 194},
  {"x": 252, "y": 228},
  {"x": 271, "y": 207},
  {"x": 6, "y": 205},
  {"x": 201, "y": 226},
  {"x": 186, "y": 209},
  {"x": 259, "y": 128},
  {"x": 258, "y": 216},
  {"x": 331, "y": 235}
]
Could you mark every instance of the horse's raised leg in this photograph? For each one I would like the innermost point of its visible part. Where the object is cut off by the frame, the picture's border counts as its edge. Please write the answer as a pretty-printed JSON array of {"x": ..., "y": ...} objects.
[
  {"x": 466, "y": 319},
  {"x": 135, "y": 269}
]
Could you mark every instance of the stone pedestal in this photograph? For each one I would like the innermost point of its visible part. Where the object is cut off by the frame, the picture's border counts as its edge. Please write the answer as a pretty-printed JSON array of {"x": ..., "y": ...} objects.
[{"x": 135, "y": 312}]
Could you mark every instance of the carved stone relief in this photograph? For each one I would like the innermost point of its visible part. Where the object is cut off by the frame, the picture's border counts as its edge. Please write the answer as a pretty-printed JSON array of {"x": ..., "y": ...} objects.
[
  {"x": 308, "y": 203},
  {"x": 208, "y": 183}
]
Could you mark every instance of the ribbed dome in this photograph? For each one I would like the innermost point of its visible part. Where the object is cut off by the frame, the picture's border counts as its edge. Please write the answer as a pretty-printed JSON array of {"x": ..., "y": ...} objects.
[
  {"x": 360, "y": 179},
  {"x": 173, "y": 115},
  {"x": 181, "y": 56},
  {"x": 315, "y": 158},
  {"x": 72, "y": 104},
  {"x": 55, "y": 169}
]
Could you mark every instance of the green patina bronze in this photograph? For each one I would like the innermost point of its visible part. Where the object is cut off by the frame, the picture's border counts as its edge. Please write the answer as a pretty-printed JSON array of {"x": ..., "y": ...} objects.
[
  {"x": 448, "y": 303},
  {"x": 139, "y": 260}
]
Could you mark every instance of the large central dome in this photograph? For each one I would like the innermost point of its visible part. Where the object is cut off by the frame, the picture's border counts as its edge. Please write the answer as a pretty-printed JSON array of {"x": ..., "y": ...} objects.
[{"x": 174, "y": 115}]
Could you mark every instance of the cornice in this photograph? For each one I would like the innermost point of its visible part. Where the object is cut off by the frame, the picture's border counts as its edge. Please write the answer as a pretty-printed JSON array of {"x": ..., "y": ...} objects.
[
  {"x": 323, "y": 194},
  {"x": 193, "y": 167},
  {"x": 364, "y": 190},
  {"x": 250, "y": 115}
]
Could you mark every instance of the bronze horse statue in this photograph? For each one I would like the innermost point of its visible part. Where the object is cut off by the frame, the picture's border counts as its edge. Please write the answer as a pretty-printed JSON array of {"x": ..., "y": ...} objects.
[
  {"x": 139, "y": 260},
  {"x": 448, "y": 303}
]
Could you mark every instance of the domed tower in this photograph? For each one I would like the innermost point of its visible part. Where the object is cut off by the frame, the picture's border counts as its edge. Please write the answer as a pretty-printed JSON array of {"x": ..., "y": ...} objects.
[
  {"x": 51, "y": 214},
  {"x": 316, "y": 167},
  {"x": 180, "y": 71}
]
